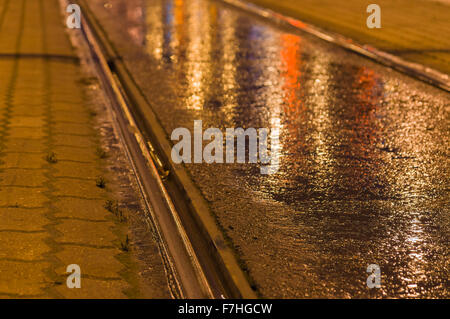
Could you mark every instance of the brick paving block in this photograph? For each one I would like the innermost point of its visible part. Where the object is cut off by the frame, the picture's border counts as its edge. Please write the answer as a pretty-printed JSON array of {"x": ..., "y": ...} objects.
[
  {"x": 28, "y": 91},
  {"x": 71, "y": 116},
  {"x": 22, "y": 160},
  {"x": 23, "y": 219},
  {"x": 77, "y": 154},
  {"x": 77, "y": 170},
  {"x": 27, "y": 121},
  {"x": 86, "y": 233},
  {"x": 95, "y": 289},
  {"x": 89, "y": 209},
  {"x": 98, "y": 262},
  {"x": 28, "y": 95},
  {"x": 23, "y": 278},
  {"x": 60, "y": 43},
  {"x": 22, "y": 197},
  {"x": 68, "y": 81},
  {"x": 17, "y": 145},
  {"x": 73, "y": 140},
  {"x": 68, "y": 104},
  {"x": 6, "y": 67},
  {"x": 69, "y": 87},
  {"x": 31, "y": 83},
  {"x": 70, "y": 75},
  {"x": 23, "y": 177},
  {"x": 27, "y": 109},
  {"x": 70, "y": 187},
  {"x": 32, "y": 71},
  {"x": 31, "y": 67},
  {"x": 71, "y": 128},
  {"x": 23, "y": 246},
  {"x": 26, "y": 132}
]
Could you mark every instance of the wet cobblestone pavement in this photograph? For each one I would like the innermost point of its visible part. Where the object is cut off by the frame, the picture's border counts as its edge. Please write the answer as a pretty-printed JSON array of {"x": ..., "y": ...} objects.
[{"x": 51, "y": 211}]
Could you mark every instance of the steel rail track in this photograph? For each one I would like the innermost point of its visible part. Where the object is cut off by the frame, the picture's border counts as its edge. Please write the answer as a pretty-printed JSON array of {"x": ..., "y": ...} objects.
[
  {"x": 189, "y": 276},
  {"x": 189, "y": 255}
]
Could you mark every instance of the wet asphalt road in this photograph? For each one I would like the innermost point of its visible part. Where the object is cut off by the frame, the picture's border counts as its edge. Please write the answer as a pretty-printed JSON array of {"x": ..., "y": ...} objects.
[{"x": 363, "y": 176}]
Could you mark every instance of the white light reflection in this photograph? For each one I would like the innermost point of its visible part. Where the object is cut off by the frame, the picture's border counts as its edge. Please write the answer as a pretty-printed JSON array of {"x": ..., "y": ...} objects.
[
  {"x": 320, "y": 115},
  {"x": 198, "y": 53},
  {"x": 227, "y": 23}
]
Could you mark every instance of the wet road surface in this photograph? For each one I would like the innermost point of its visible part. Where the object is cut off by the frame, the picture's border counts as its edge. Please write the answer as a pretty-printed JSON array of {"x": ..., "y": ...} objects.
[{"x": 364, "y": 160}]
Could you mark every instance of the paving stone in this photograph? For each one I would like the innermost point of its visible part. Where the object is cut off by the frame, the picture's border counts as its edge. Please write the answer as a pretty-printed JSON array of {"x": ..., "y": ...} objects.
[
  {"x": 23, "y": 177},
  {"x": 27, "y": 121},
  {"x": 78, "y": 170},
  {"x": 34, "y": 109},
  {"x": 72, "y": 128},
  {"x": 23, "y": 278},
  {"x": 78, "y": 188},
  {"x": 23, "y": 219},
  {"x": 95, "y": 289},
  {"x": 86, "y": 233},
  {"x": 73, "y": 140},
  {"x": 89, "y": 209},
  {"x": 22, "y": 197},
  {"x": 50, "y": 212},
  {"x": 29, "y": 94},
  {"x": 75, "y": 154},
  {"x": 71, "y": 116},
  {"x": 66, "y": 103},
  {"x": 92, "y": 261},
  {"x": 23, "y": 246},
  {"x": 25, "y": 132},
  {"x": 25, "y": 145},
  {"x": 22, "y": 160}
]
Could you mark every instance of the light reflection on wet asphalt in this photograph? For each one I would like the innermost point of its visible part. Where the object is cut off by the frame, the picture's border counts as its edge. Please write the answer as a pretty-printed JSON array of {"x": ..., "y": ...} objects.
[{"x": 364, "y": 150}]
